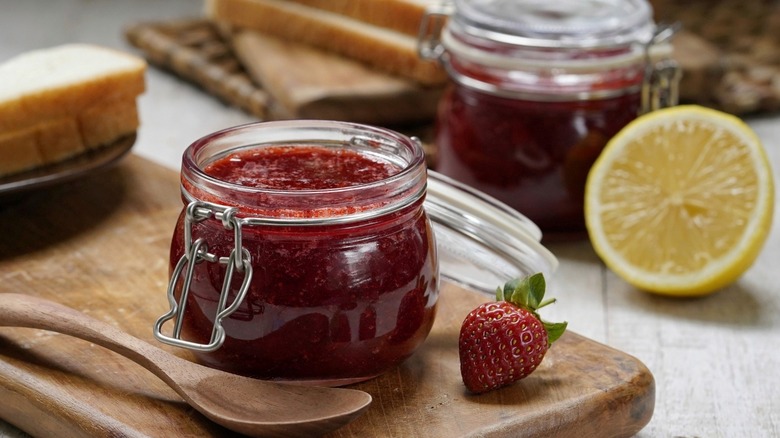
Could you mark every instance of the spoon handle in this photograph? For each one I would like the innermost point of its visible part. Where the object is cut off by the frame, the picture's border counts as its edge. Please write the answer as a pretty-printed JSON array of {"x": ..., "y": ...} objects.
[
  {"x": 18, "y": 310},
  {"x": 249, "y": 406}
]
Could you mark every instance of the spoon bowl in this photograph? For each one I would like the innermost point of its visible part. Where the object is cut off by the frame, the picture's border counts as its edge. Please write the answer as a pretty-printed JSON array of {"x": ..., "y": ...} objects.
[{"x": 249, "y": 406}]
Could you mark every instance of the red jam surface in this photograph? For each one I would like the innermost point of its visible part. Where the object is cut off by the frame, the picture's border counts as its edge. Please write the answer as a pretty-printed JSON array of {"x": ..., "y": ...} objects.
[
  {"x": 534, "y": 156},
  {"x": 333, "y": 304},
  {"x": 299, "y": 168}
]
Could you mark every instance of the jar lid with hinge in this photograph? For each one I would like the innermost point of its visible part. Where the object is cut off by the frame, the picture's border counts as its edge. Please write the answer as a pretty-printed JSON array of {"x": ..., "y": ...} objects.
[{"x": 481, "y": 241}]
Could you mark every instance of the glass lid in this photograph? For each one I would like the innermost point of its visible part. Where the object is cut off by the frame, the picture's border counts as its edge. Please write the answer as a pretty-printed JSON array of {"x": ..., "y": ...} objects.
[
  {"x": 567, "y": 23},
  {"x": 481, "y": 242}
]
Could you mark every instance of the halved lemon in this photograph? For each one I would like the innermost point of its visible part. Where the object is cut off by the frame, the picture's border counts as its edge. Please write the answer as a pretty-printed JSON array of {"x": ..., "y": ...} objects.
[{"x": 680, "y": 201}]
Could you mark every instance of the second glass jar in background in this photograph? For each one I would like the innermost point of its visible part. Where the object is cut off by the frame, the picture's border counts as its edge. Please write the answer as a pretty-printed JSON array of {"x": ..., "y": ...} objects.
[{"x": 537, "y": 90}]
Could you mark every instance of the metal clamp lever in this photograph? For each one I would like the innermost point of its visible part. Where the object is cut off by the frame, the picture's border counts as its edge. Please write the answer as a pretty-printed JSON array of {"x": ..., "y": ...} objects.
[
  {"x": 429, "y": 36},
  {"x": 661, "y": 85},
  {"x": 196, "y": 252}
]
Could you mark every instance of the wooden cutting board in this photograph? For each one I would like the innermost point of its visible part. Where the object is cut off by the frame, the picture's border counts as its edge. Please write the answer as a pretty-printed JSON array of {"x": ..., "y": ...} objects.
[{"x": 100, "y": 245}]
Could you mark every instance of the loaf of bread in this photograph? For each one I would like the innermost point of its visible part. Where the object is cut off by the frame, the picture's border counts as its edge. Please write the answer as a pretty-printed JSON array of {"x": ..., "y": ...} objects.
[
  {"x": 59, "y": 102},
  {"x": 350, "y": 28}
]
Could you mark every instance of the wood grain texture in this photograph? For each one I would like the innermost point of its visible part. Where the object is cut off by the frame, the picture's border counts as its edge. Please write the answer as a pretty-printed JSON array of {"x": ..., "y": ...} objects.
[
  {"x": 100, "y": 245},
  {"x": 245, "y": 405},
  {"x": 311, "y": 83}
]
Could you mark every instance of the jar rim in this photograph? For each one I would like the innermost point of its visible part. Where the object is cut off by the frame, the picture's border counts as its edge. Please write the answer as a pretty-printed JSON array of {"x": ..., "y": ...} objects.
[{"x": 404, "y": 186}]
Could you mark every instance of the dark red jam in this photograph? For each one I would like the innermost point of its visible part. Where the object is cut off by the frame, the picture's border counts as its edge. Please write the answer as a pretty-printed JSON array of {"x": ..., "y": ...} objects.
[
  {"x": 532, "y": 155},
  {"x": 331, "y": 302},
  {"x": 299, "y": 168}
]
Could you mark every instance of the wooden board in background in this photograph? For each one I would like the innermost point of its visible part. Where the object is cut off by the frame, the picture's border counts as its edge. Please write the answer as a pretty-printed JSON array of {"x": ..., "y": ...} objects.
[
  {"x": 100, "y": 245},
  {"x": 308, "y": 83},
  {"x": 274, "y": 79}
]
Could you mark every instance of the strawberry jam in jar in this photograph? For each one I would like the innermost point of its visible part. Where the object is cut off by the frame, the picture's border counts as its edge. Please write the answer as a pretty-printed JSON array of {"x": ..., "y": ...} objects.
[
  {"x": 537, "y": 89},
  {"x": 303, "y": 253}
]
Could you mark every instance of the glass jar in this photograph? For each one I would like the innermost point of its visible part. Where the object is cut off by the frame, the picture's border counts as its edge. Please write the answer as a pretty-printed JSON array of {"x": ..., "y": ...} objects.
[
  {"x": 328, "y": 284},
  {"x": 537, "y": 89}
]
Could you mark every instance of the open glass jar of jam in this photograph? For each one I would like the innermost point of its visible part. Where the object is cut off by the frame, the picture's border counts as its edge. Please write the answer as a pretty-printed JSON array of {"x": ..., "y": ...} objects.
[
  {"x": 304, "y": 251},
  {"x": 537, "y": 89}
]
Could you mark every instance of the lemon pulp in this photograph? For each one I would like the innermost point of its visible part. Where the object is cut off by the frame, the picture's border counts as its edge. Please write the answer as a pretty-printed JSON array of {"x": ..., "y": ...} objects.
[{"x": 680, "y": 201}]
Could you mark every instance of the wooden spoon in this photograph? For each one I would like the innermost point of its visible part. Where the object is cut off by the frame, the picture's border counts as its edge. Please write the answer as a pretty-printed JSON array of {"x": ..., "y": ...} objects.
[{"x": 245, "y": 405}]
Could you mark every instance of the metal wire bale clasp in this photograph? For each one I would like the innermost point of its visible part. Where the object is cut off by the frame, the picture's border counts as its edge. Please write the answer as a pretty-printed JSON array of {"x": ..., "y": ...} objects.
[
  {"x": 196, "y": 252},
  {"x": 661, "y": 85},
  {"x": 429, "y": 35}
]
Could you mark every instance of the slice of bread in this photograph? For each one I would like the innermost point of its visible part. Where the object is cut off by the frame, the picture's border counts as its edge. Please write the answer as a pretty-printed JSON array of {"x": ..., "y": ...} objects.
[
  {"x": 19, "y": 151},
  {"x": 380, "y": 47},
  {"x": 58, "y": 139},
  {"x": 102, "y": 124},
  {"x": 36, "y": 146},
  {"x": 59, "y": 102},
  {"x": 400, "y": 15}
]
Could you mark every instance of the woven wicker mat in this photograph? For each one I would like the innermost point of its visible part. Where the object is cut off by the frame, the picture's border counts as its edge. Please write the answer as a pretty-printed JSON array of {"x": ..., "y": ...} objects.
[
  {"x": 194, "y": 50},
  {"x": 729, "y": 51},
  {"x": 743, "y": 39}
]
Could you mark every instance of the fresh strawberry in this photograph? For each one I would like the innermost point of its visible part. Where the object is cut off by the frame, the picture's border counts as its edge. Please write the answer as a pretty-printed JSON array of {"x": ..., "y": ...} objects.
[{"x": 505, "y": 340}]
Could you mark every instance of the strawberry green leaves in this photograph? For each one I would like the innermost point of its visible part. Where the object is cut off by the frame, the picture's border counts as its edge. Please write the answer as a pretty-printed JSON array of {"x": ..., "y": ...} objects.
[{"x": 528, "y": 293}]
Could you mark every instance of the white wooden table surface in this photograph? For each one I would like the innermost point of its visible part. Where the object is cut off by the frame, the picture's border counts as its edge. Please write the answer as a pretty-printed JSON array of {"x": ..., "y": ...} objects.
[{"x": 716, "y": 360}]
